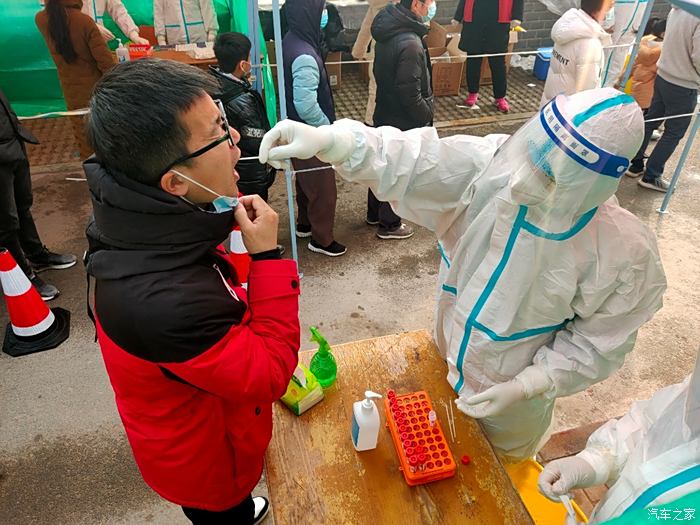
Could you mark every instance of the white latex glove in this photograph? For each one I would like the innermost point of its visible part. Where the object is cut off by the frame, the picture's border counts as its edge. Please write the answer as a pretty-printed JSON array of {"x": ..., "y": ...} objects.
[
  {"x": 136, "y": 39},
  {"x": 454, "y": 22},
  {"x": 561, "y": 476},
  {"x": 294, "y": 140},
  {"x": 515, "y": 23},
  {"x": 211, "y": 37},
  {"x": 106, "y": 33},
  {"x": 162, "y": 41},
  {"x": 527, "y": 384}
]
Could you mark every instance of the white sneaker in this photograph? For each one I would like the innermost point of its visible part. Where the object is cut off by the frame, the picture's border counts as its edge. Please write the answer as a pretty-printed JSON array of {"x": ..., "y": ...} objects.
[{"x": 262, "y": 507}]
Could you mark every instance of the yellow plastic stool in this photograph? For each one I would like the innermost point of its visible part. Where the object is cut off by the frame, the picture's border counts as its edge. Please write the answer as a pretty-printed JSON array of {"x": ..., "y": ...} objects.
[{"x": 543, "y": 511}]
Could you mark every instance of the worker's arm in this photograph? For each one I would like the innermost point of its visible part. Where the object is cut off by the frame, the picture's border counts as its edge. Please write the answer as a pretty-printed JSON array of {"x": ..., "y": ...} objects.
[
  {"x": 609, "y": 447},
  {"x": 305, "y": 82},
  {"x": 159, "y": 20},
  {"x": 459, "y": 11},
  {"x": 121, "y": 17},
  {"x": 608, "y": 314},
  {"x": 517, "y": 11},
  {"x": 98, "y": 47},
  {"x": 211, "y": 24},
  {"x": 410, "y": 72},
  {"x": 695, "y": 53}
]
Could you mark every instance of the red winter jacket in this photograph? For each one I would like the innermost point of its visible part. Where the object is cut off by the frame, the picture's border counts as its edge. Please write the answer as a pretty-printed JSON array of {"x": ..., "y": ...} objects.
[{"x": 195, "y": 361}]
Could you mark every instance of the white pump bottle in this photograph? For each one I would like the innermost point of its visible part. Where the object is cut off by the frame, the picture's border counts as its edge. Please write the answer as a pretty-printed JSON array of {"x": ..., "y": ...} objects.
[{"x": 365, "y": 422}]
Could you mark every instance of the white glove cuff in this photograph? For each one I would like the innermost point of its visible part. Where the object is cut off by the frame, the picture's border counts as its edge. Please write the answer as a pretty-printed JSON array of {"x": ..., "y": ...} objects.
[
  {"x": 133, "y": 35},
  {"x": 599, "y": 462},
  {"x": 342, "y": 145},
  {"x": 535, "y": 381}
]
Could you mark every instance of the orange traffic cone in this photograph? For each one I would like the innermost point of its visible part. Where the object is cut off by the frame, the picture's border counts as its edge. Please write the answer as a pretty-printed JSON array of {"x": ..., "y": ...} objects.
[
  {"x": 239, "y": 257},
  {"x": 32, "y": 327}
]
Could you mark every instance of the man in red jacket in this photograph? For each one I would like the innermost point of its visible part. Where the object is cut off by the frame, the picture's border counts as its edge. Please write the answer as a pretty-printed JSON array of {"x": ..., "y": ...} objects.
[{"x": 195, "y": 361}]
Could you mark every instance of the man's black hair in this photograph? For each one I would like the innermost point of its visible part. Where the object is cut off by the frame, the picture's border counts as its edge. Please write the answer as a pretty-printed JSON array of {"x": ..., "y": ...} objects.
[
  {"x": 230, "y": 49},
  {"x": 135, "y": 122},
  {"x": 406, "y": 3},
  {"x": 659, "y": 28},
  {"x": 592, "y": 7}
]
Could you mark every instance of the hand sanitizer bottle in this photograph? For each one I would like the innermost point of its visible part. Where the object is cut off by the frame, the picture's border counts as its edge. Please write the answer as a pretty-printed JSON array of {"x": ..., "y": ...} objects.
[
  {"x": 365, "y": 422},
  {"x": 122, "y": 52}
]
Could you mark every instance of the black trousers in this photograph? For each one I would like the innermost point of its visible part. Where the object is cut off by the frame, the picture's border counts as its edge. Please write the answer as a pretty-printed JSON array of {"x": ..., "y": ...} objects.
[
  {"x": 17, "y": 229},
  {"x": 241, "y": 514},
  {"x": 480, "y": 38},
  {"x": 382, "y": 212},
  {"x": 669, "y": 99}
]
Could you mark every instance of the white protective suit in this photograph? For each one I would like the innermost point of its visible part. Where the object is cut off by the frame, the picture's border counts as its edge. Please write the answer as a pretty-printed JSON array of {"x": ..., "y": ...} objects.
[
  {"x": 577, "y": 57},
  {"x": 96, "y": 10},
  {"x": 544, "y": 277},
  {"x": 184, "y": 21},
  {"x": 648, "y": 457},
  {"x": 628, "y": 18}
]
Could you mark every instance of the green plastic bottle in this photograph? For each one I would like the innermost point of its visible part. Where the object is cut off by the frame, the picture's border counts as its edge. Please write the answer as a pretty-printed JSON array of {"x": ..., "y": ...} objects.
[{"x": 322, "y": 363}]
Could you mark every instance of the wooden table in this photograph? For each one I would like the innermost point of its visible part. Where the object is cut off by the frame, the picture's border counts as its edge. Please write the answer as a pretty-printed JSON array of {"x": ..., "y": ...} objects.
[
  {"x": 315, "y": 475},
  {"x": 183, "y": 57}
]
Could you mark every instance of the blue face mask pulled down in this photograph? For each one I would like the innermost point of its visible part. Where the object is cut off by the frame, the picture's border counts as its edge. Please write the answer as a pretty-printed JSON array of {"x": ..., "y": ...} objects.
[
  {"x": 221, "y": 204},
  {"x": 431, "y": 13},
  {"x": 324, "y": 19}
]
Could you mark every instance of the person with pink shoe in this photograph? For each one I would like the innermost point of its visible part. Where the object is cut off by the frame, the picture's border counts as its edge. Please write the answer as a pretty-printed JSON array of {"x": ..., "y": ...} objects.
[{"x": 486, "y": 27}]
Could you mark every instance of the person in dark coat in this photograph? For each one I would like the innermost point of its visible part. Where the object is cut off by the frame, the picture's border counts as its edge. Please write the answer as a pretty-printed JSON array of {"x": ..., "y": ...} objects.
[
  {"x": 486, "y": 28},
  {"x": 18, "y": 232},
  {"x": 195, "y": 360},
  {"x": 310, "y": 100},
  {"x": 245, "y": 110},
  {"x": 404, "y": 89}
]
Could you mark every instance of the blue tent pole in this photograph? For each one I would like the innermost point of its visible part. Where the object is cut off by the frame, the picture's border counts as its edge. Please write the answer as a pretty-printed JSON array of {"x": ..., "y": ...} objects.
[
  {"x": 637, "y": 40},
  {"x": 254, "y": 36},
  {"x": 681, "y": 163},
  {"x": 283, "y": 115}
]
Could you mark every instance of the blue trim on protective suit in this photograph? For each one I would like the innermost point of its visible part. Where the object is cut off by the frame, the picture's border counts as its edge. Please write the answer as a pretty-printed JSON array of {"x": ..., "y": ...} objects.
[
  {"x": 184, "y": 22},
  {"x": 519, "y": 335},
  {"x": 449, "y": 289},
  {"x": 624, "y": 32},
  {"x": 519, "y": 224},
  {"x": 577, "y": 227},
  {"x": 608, "y": 103},
  {"x": 443, "y": 256},
  {"x": 661, "y": 488}
]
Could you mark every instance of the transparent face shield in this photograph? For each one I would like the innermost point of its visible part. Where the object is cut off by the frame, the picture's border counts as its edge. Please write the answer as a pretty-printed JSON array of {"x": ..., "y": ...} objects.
[{"x": 554, "y": 166}]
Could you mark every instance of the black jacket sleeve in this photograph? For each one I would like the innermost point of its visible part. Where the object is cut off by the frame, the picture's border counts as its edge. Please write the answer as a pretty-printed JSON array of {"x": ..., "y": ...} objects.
[
  {"x": 459, "y": 12},
  {"x": 409, "y": 72},
  {"x": 517, "y": 12}
]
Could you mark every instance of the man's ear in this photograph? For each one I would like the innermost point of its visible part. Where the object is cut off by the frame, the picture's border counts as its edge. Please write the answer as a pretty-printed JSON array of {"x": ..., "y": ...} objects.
[{"x": 171, "y": 183}]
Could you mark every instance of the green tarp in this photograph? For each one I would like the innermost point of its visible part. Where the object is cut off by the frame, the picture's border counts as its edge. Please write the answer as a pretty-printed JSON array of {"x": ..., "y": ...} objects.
[{"x": 28, "y": 75}]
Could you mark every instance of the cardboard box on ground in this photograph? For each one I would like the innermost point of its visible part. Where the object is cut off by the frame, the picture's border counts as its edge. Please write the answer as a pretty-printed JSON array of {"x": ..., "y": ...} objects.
[{"x": 333, "y": 67}]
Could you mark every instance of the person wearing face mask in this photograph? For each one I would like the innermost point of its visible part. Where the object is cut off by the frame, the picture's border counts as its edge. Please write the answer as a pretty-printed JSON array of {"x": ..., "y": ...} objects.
[
  {"x": 245, "y": 110},
  {"x": 649, "y": 457},
  {"x": 404, "y": 96},
  {"x": 96, "y": 10},
  {"x": 486, "y": 28},
  {"x": 195, "y": 360},
  {"x": 577, "y": 56},
  {"x": 544, "y": 279},
  {"x": 310, "y": 100}
]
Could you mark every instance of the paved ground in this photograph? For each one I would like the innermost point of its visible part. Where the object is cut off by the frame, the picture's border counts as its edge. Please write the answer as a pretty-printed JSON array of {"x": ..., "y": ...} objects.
[{"x": 63, "y": 455}]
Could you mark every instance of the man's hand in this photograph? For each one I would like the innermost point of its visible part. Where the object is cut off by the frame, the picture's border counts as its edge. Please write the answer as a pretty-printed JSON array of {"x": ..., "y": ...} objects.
[
  {"x": 515, "y": 23},
  {"x": 136, "y": 39},
  {"x": 258, "y": 223},
  {"x": 294, "y": 140},
  {"x": 162, "y": 41},
  {"x": 561, "y": 476},
  {"x": 492, "y": 401},
  {"x": 106, "y": 33}
]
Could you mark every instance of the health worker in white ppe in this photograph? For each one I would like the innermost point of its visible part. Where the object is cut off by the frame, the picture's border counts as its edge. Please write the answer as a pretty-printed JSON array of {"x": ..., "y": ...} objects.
[
  {"x": 648, "y": 457},
  {"x": 96, "y": 10},
  {"x": 628, "y": 17},
  {"x": 184, "y": 21},
  {"x": 544, "y": 279}
]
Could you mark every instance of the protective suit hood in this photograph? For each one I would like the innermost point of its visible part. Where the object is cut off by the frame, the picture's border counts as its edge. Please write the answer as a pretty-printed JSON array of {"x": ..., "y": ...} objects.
[
  {"x": 576, "y": 155},
  {"x": 576, "y": 24}
]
